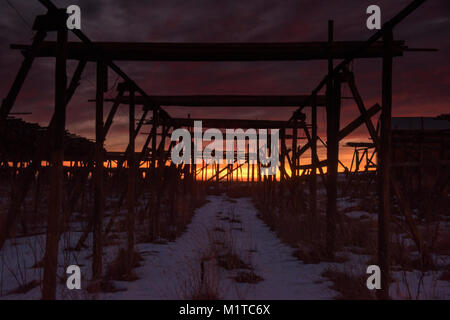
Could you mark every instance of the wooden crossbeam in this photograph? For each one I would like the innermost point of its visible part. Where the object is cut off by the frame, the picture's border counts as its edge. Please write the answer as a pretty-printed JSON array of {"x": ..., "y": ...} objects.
[
  {"x": 283, "y": 51},
  {"x": 360, "y": 144},
  {"x": 224, "y": 100},
  {"x": 232, "y": 123}
]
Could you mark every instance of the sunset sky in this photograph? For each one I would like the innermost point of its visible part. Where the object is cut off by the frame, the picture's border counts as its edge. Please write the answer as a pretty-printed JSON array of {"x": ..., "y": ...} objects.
[{"x": 421, "y": 80}]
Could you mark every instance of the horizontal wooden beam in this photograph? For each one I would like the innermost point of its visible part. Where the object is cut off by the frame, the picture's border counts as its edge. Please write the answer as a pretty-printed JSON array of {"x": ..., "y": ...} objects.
[
  {"x": 283, "y": 51},
  {"x": 231, "y": 123},
  {"x": 360, "y": 144},
  {"x": 224, "y": 101},
  {"x": 321, "y": 164}
]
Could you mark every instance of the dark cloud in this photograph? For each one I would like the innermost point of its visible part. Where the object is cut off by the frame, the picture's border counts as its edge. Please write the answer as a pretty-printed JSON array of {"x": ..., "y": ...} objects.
[{"x": 421, "y": 79}]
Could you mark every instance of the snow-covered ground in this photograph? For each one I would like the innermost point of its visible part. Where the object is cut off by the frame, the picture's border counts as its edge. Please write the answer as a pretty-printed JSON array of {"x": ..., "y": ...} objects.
[
  {"x": 413, "y": 284},
  {"x": 173, "y": 270},
  {"x": 168, "y": 267}
]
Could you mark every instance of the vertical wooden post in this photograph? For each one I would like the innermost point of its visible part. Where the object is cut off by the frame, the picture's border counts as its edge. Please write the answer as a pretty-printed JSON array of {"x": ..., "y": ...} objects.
[
  {"x": 152, "y": 224},
  {"x": 56, "y": 169},
  {"x": 332, "y": 150},
  {"x": 217, "y": 171},
  {"x": 202, "y": 169},
  {"x": 155, "y": 134},
  {"x": 248, "y": 162},
  {"x": 193, "y": 167},
  {"x": 131, "y": 180},
  {"x": 282, "y": 165},
  {"x": 258, "y": 164},
  {"x": 294, "y": 153},
  {"x": 313, "y": 181},
  {"x": 384, "y": 161},
  {"x": 253, "y": 172},
  {"x": 99, "y": 198},
  {"x": 269, "y": 177}
]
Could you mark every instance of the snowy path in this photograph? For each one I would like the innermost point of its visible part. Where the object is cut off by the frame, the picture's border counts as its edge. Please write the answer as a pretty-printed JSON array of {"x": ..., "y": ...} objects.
[
  {"x": 173, "y": 270},
  {"x": 169, "y": 270}
]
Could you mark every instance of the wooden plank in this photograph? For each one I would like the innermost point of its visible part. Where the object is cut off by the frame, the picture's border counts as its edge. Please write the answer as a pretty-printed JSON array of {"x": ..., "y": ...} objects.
[
  {"x": 282, "y": 164},
  {"x": 152, "y": 217},
  {"x": 99, "y": 197},
  {"x": 314, "y": 158},
  {"x": 232, "y": 123},
  {"x": 225, "y": 100},
  {"x": 384, "y": 170},
  {"x": 131, "y": 182},
  {"x": 56, "y": 170},
  {"x": 294, "y": 163},
  {"x": 282, "y": 51},
  {"x": 333, "y": 112}
]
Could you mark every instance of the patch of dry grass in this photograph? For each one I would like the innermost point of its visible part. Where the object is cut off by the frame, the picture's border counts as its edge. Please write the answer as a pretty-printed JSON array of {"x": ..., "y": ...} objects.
[
  {"x": 445, "y": 276},
  {"x": 317, "y": 256},
  {"x": 119, "y": 268},
  {"x": 247, "y": 277},
  {"x": 230, "y": 261},
  {"x": 25, "y": 287},
  {"x": 349, "y": 285},
  {"x": 239, "y": 191}
]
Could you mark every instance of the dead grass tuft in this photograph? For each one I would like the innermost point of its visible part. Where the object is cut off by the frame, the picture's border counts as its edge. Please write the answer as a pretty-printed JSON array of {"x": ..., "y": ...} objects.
[
  {"x": 247, "y": 277},
  {"x": 349, "y": 285},
  {"x": 239, "y": 191},
  {"x": 119, "y": 269},
  {"x": 317, "y": 256},
  {"x": 230, "y": 261},
  {"x": 445, "y": 276},
  {"x": 442, "y": 245},
  {"x": 105, "y": 286},
  {"x": 25, "y": 287}
]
